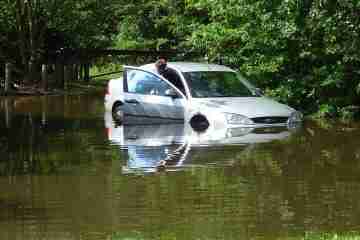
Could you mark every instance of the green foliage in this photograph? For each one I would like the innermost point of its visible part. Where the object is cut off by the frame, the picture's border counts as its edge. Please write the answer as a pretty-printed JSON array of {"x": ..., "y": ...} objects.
[
  {"x": 7, "y": 26},
  {"x": 34, "y": 27},
  {"x": 93, "y": 21},
  {"x": 105, "y": 66},
  {"x": 150, "y": 24},
  {"x": 304, "y": 53}
]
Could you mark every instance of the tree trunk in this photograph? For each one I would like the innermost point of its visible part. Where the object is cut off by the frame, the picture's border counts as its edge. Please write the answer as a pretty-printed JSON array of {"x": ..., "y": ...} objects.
[
  {"x": 33, "y": 74},
  {"x": 44, "y": 77},
  {"x": 7, "y": 77},
  {"x": 31, "y": 27},
  {"x": 76, "y": 72},
  {"x": 21, "y": 30}
]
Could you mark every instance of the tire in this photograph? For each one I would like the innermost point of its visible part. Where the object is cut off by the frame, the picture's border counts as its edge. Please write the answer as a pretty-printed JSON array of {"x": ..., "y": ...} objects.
[{"x": 117, "y": 112}]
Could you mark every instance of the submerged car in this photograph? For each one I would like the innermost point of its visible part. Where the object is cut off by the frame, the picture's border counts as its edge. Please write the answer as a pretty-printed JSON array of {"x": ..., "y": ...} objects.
[
  {"x": 149, "y": 146},
  {"x": 200, "y": 94},
  {"x": 153, "y": 135}
]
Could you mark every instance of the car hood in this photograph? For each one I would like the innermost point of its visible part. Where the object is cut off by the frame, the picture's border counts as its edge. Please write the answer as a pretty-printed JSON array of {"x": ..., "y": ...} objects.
[{"x": 247, "y": 106}]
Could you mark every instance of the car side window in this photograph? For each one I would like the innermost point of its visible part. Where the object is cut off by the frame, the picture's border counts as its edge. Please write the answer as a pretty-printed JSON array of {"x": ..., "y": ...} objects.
[{"x": 145, "y": 83}]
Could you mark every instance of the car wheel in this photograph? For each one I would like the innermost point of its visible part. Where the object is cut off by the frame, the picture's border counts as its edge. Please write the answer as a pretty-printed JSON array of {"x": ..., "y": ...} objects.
[{"x": 117, "y": 112}]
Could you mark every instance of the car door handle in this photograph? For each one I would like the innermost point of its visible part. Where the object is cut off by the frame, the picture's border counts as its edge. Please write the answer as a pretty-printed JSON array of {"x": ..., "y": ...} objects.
[
  {"x": 134, "y": 137},
  {"x": 132, "y": 101}
]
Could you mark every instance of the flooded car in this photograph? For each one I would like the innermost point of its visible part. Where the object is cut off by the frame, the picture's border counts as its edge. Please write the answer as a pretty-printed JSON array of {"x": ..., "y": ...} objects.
[
  {"x": 199, "y": 94},
  {"x": 150, "y": 146}
]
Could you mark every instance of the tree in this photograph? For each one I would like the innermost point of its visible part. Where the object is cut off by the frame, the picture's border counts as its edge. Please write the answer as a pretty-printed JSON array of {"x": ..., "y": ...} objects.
[{"x": 35, "y": 26}]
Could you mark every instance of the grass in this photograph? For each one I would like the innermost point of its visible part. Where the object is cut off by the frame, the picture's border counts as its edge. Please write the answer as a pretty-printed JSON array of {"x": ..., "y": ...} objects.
[
  {"x": 352, "y": 235},
  {"x": 332, "y": 236},
  {"x": 97, "y": 71},
  {"x": 104, "y": 79}
]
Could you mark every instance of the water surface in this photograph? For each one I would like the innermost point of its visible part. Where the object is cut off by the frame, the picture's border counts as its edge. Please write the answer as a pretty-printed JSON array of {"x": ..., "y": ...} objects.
[{"x": 68, "y": 172}]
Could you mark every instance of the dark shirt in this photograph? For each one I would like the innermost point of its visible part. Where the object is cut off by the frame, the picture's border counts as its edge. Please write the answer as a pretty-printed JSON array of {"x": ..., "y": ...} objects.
[{"x": 173, "y": 77}]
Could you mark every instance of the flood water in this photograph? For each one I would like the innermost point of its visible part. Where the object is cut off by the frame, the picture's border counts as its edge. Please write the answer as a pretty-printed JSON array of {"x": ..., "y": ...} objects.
[{"x": 68, "y": 172}]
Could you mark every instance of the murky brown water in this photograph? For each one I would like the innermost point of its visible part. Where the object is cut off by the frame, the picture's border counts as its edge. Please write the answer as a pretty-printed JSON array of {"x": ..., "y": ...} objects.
[{"x": 67, "y": 172}]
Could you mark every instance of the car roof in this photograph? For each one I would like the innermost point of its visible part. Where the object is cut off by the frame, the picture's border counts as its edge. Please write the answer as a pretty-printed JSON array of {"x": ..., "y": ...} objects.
[{"x": 191, "y": 67}]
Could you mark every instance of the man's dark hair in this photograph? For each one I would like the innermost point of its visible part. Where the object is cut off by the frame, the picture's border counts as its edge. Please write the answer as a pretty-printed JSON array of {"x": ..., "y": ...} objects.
[{"x": 163, "y": 57}]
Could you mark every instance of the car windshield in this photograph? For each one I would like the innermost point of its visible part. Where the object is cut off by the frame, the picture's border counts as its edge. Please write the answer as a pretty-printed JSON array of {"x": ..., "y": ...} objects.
[{"x": 209, "y": 84}]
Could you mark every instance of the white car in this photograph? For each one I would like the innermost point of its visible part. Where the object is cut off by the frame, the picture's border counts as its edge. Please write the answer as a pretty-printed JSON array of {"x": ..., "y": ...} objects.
[{"x": 200, "y": 94}]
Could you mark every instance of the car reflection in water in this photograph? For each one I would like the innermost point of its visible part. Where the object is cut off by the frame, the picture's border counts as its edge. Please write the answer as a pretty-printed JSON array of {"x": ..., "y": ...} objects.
[{"x": 154, "y": 147}]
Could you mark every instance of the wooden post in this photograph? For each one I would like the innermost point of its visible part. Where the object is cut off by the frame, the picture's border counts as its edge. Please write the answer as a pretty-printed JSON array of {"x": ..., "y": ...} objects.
[
  {"x": 2, "y": 81},
  {"x": 71, "y": 73},
  {"x": 87, "y": 72},
  {"x": 52, "y": 76},
  {"x": 62, "y": 78},
  {"x": 7, "y": 77},
  {"x": 32, "y": 71},
  {"x": 44, "y": 76},
  {"x": 81, "y": 72},
  {"x": 68, "y": 75},
  {"x": 76, "y": 72},
  {"x": 59, "y": 69},
  {"x": 7, "y": 113}
]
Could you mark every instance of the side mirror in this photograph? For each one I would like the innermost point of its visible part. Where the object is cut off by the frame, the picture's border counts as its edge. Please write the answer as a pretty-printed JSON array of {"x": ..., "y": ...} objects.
[{"x": 172, "y": 93}]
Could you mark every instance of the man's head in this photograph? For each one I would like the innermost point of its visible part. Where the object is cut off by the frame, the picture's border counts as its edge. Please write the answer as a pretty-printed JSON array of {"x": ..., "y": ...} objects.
[{"x": 161, "y": 64}]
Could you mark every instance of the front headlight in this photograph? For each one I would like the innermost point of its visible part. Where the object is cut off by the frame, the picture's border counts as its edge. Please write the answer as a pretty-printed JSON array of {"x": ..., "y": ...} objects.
[
  {"x": 237, "y": 119},
  {"x": 295, "y": 117},
  {"x": 238, "y": 131}
]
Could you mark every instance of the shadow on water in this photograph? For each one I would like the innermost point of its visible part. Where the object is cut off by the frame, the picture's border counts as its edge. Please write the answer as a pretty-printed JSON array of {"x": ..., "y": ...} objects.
[{"x": 67, "y": 171}]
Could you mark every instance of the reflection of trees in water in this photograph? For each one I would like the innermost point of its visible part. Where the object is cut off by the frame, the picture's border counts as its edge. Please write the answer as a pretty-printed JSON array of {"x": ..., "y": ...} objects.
[
  {"x": 312, "y": 177},
  {"x": 283, "y": 187},
  {"x": 47, "y": 148},
  {"x": 26, "y": 141},
  {"x": 3, "y": 145},
  {"x": 50, "y": 137}
]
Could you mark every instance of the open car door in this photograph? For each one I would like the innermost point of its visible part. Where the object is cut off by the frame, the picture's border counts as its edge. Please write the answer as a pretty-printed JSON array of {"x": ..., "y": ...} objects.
[{"x": 151, "y": 96}]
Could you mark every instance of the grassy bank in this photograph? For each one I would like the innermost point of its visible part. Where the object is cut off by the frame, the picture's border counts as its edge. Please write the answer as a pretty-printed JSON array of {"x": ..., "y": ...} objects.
[
  {"x": 307, "y": 236},
  {"x": 331, "y": 236}
]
